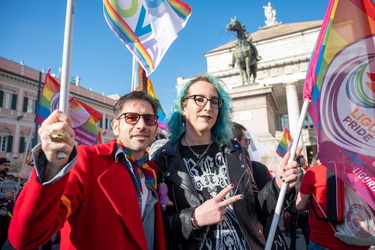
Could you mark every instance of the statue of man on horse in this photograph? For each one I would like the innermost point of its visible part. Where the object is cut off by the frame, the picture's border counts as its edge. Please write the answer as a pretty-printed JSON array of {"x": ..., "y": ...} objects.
[{"x": 245, "y": 53}]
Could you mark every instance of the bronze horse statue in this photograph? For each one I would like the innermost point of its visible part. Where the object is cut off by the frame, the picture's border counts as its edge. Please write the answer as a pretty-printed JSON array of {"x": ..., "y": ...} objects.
[{"x": 243, "y": 54}]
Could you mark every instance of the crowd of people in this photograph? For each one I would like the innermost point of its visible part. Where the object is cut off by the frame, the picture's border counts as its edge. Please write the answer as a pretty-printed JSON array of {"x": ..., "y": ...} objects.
[
  {"x": 197, "y": 189},
  {"x": 10, "y": 187}
]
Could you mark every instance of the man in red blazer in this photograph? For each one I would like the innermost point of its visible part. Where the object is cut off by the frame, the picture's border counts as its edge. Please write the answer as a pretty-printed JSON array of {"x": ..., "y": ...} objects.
[{"x": 100, "y": 197}]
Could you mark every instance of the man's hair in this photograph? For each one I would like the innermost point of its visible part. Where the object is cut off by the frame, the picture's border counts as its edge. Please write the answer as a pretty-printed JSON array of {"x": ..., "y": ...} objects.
[
  {"x": 135, "y": 96},
  {"x": 301, "y": 161},
  {"x": 314, "y": 160},
  {"x": 237, "y": 130},
  {"x": 4, "y": 160},
  {"x": 221, "y": 132}
]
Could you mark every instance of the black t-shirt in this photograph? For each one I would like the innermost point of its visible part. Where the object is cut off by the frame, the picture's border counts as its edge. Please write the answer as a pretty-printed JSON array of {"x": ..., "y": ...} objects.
[{"x": 209, "y": 176}]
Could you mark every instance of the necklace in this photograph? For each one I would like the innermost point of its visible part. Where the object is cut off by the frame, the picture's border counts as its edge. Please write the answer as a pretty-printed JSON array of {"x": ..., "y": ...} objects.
[{"x": 199, "y": 156}]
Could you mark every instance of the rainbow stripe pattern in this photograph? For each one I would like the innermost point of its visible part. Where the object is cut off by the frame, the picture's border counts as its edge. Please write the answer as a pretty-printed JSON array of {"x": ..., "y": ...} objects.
[
  {"x": 150, "y": 90},
  {"x": 285, "y": 143},
  {"x": 148, "y": 43},
  {"x": 340, "y": 83},
  {"x": 84, "y": 117}
]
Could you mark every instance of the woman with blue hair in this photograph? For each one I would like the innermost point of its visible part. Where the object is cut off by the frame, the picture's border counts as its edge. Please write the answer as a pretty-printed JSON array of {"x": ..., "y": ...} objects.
[{"x": 214, "y": 202}]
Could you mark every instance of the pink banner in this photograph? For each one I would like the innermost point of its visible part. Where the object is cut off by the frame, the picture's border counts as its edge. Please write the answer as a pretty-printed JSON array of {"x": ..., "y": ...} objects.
[{"x": 341, "y": 85}]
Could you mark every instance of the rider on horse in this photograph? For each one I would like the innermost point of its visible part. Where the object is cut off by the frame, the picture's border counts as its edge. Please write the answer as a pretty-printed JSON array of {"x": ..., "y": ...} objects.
[{"x": 249, "y": 39}]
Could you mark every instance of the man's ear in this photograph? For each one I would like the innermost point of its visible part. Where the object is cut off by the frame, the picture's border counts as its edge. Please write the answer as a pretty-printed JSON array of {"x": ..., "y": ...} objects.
[
  {"x": 236, "y": 139},
  {"x": 115, "y": 124}
]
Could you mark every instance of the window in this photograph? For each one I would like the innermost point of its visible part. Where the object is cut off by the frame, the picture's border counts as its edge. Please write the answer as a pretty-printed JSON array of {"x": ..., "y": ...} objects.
[
  {"x": 6, "y": 143},
  {"x": 108, "y": 122},
  {"x": 8, "y": 100},
  {"x": 100, "y": 123},
  {"x": 24, "y": 142},
  {"x": 308, "y": 123},
  {"x": 284, "y": 121},
  {"x": 29, "y": 105}
]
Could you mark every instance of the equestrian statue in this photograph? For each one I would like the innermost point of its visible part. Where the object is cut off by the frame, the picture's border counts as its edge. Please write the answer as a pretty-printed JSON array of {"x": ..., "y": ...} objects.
[{"x": 245, "y": 53}]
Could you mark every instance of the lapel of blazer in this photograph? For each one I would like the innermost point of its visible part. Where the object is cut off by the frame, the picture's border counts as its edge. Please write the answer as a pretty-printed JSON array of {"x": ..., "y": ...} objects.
[{"x": 118, "y": 186}]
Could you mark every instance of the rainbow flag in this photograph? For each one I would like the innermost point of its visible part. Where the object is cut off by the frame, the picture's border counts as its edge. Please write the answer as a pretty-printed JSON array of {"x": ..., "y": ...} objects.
[
  {"x": 147, "y": 28},
  {"x": 100, "y": 140},
  {"x": 340, "y": 83},
  {"x": 83, "y": 116},
  {"x": 285, "y": 143},
  {"x": 149, "y": 88},
  {"x": 28, "y": 159}
]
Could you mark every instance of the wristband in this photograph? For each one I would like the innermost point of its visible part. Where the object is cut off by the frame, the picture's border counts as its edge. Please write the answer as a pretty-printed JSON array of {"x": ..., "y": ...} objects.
[{"x": 194, "y": 224}]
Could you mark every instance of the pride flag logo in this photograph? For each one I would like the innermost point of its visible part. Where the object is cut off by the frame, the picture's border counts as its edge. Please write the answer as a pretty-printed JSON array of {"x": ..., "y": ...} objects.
[{"x": 347, "y": 102}]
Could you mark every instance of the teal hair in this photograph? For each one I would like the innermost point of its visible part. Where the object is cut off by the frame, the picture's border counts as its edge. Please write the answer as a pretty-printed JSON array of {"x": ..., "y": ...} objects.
[{"x": 221, "y": 132}]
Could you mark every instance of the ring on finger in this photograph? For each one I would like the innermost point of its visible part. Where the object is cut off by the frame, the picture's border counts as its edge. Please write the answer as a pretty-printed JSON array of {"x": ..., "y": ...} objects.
[{"x": 57, "y": 136}]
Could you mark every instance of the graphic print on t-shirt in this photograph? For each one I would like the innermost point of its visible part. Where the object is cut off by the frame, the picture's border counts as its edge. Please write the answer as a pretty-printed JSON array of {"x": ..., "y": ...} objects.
[{"x": 209, "y": 178}]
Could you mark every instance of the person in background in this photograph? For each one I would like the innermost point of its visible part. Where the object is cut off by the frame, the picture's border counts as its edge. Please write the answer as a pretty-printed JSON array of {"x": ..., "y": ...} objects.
[
  {"x": 322, "y": 235},
  {"x": 102, "y": 196},
  {"x": 298, "y": 219},
  {"x": 8, "y": 189},
  {"x": 261, "y": 176},
  {"x": 216, "y": 203},
  {"x": 239, "y": 134},
  {"x": 24, "y": 175}
]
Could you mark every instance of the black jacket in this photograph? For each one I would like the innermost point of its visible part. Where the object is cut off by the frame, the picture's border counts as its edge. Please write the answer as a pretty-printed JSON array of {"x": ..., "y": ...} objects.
[
  {"x": 177, "y": 218},
  {"x": 262, "y": 177}
]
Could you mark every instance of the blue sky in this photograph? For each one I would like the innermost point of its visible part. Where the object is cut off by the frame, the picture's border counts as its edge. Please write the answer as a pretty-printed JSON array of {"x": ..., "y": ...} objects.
[{"x": 33, "y": 31}]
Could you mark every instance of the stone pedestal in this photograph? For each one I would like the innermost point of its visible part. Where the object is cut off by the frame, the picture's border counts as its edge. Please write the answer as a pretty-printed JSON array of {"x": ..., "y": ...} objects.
[{"x": 254, "y": 107}]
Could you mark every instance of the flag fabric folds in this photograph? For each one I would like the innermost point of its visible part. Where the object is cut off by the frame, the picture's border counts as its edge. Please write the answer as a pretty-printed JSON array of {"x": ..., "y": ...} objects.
[
  {"x": 100, "y": 140},
  {"x": 147, "y": 28},
  {"x": 285, "y": 143},
  {"x": 340, "y": 83},
  {"x": 28, "y": 159},
  {"x": 256, "y": 148},
  {"x": 83, "y": 116},
  {"x": 145, "y": 84}
]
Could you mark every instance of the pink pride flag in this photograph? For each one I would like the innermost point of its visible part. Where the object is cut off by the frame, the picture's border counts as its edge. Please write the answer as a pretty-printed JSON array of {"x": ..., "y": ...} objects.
[
  {"x": 147, "y": 28},
  {"x": 340, "y": 83}
]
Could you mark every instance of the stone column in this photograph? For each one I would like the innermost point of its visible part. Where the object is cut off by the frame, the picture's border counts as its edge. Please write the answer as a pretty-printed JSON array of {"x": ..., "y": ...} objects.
[{"x": 293, "y": 106}]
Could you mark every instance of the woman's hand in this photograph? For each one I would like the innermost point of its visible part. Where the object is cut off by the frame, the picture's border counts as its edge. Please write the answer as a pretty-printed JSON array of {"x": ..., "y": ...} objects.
[
  {"x": 288, "y": 172},
  {"x": 212, "y": 211}
]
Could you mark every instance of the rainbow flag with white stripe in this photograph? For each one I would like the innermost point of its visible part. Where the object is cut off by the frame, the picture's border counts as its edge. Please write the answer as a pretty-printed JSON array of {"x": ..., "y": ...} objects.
[
  {"x": 83, "y": 116},
  {"x": 147, "y": 28},
  {"x": 285, "y": 143},
  {"x": 340, "y": 83}
]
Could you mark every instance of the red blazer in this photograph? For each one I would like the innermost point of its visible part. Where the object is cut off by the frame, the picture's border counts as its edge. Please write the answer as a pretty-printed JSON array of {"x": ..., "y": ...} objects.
[{"x": 95, "y": 205}]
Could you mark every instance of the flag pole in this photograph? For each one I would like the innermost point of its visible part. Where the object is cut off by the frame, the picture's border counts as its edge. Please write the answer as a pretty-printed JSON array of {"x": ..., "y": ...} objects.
[
  {"x": 284, "y": 186},
  {"x": 66, "y": 58},
  {"x": 67, "y": 52},
  {"x": 273, "y": 157},
  {"x": 134, "y": 70}
]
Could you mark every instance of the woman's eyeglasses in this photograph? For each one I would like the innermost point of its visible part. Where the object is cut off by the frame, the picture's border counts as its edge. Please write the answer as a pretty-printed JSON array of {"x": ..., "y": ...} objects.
[
  {"x": 133, "y": 118},
  {"x": 201, "y": 101}
]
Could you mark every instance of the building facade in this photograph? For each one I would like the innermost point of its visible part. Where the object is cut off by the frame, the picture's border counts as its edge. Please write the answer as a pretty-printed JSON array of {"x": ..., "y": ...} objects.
[
  {"x": 19, "y": 92},
  {"x": 275, "y": 100}
]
